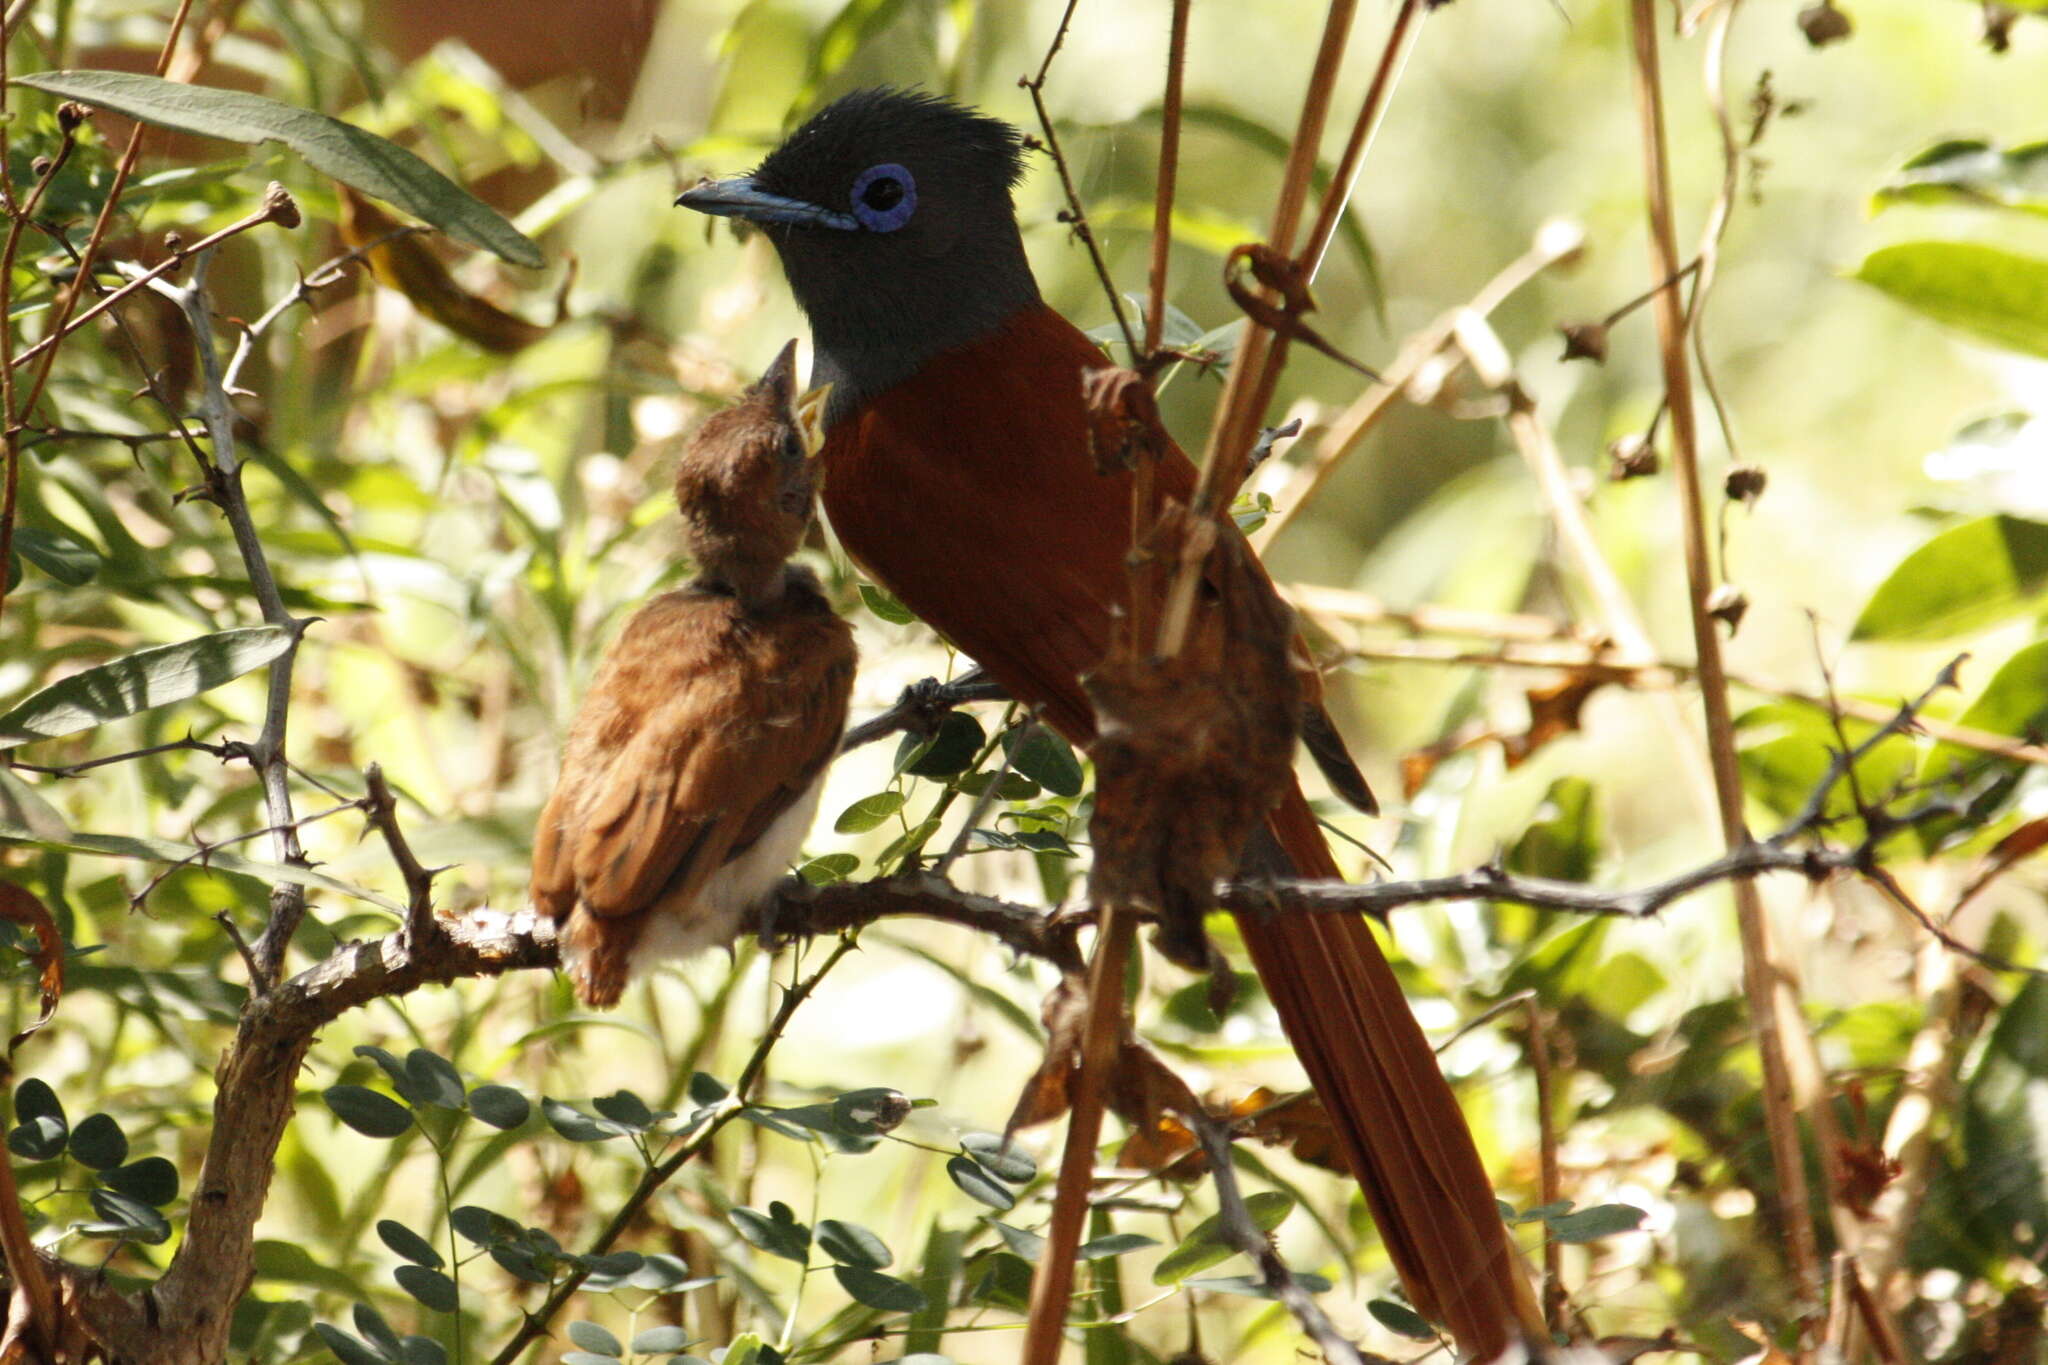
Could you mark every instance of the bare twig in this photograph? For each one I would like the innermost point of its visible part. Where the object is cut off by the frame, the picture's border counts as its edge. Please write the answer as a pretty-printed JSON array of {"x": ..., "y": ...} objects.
[
  {"x": 1075, "y": 216},
  {"x": 1773, "y": 1001},
  {"x": 419, "y": 881},
  {"x": 1163, "y": 191},
  {"x": 921, "y": 706},
  {"x": 224, "y": 487},
  {"x": 174, "y": 260},
  {"x": 223, "y": 752}
]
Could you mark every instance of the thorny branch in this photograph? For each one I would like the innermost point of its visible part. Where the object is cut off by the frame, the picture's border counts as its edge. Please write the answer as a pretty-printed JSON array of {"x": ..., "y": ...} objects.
[
  {"x": 1239, "y": 1229},
  {"x": 259, "y": 1071}
]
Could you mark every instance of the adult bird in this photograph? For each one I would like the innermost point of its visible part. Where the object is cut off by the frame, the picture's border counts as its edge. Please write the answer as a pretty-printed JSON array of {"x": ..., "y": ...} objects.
[
  {"x": 957, "y": 474},
  {"x": 694, "y": 764}
]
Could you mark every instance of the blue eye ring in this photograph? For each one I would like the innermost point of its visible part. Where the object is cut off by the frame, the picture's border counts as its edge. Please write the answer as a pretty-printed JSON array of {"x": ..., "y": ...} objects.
[{"x": 884, "y": 197}]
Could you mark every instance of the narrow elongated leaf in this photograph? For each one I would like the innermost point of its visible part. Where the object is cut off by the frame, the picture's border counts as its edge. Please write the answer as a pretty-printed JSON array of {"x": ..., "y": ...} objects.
[
  {"x": 148, "y": 678},
  {"x": 1991, "y": 294},
  {"x": 1968, "y": 577},
  {"x": 62, "y": 556},
  {"x": 372, "y": 164}
]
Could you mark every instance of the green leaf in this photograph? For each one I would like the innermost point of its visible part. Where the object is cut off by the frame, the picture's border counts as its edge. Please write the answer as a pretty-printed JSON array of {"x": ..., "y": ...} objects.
[
  {"x": 408, "y": 1245},
  {"x": 744, "y": 1349},
  {"x": 1045, "y": 758},
  {"x": 430, "y": 1287},
  {"x": 978, "y": 1184},
  {"x": 369, "y": 1112},
  {"x": 38, "y": 1139},
  {"x": 885, "y": 606},
  {"x": 1787, "y": 747},
  {"x": 217, "y": 860},
  {"x": 1979, "y": 574},
  {"x": 866, "y": 1112},
  {"x": 1028, "y": 1245},
  {"x": 2014, "y": 703},
  {"x": 829, "y": 869},
  {"x": 1990, "y": 294},
  {"x": 1113, "y": 1244},
  {"x": 129, "y": 1220},
  {"x": 1006, "y": 1158},
  {"x": 61, "y": 555},
  {"x": 1590, "y": 1225},
  {"x": 626, "y": 1109},
  {"x": 1254, "y": 1287},
  {"x": 577, "y": 1126},
  {"x": 140, "y": 681},
  {"x": 347, "y": 1349},
  {"x": 950, "y": 749},
  {"x": 852, "y": 1244},
  {"x": 1206, "y": 1246},
  {"x": 2005, "y": 1123},
  {"x": 432, "y": 1079},
  {"x": 884, "y": 1292},
  {"x": 776, "y": 1232},
  {"x": 98, "y": 1143},
  {"x": 868, "y": 812},
  {"x": 1401, "y": 1320},
  {"x": 372, "y": 164},
  {"x": 153, "y": 1180},
  {"x": 1972, "y": 172},
  {"x": 653, "y": 1340},
  {"x": 592, "y": 1337},
  {"x": 499, "y": 1105},
  {"x": 481, "y": 1226},
  {"x": 1564, "y": 841},
  {"x": 588, "y": 1358}
]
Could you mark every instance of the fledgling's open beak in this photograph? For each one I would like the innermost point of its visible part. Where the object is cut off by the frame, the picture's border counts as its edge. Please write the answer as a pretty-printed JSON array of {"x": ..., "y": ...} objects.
[
  {"x": 739, "y": 197},
  {"x": 809, "y": 415}
]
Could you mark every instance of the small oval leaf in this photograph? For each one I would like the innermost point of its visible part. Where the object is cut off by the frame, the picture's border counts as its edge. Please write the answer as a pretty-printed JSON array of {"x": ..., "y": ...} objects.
[
  {"x": 868, "y": 812},
  {"x": 430, "y": 1287},
  {"x": 369, "y": 1112},
  {"x": 98, "y": 1143},
  {"x": 978, "y": 1184},
  {"x": 407, "y": 1244},
  {"x": 883, "y": 1292},
  {"x": 499, "y": 1105}
]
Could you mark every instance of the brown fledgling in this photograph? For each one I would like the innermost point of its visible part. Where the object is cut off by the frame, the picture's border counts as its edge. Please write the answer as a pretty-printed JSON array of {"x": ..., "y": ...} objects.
[{"x": 693, "y": 767}]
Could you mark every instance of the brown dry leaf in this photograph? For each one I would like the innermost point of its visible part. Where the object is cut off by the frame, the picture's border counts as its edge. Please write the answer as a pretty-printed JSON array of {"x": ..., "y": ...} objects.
[
  {"x": 1865, "y": 1171},
  {"x": 1553, "y": 712},
  {"x": 2023, "y": 843},
  {"x": 1301, "y": 1124},
  {"x": 1192, "y": 750},
  {"x": 19, "y": 906},
  {"x": 1123, "y": 418},
  {"x": 404, "y": 263},
  {"x": 1045, "y": 1095}
]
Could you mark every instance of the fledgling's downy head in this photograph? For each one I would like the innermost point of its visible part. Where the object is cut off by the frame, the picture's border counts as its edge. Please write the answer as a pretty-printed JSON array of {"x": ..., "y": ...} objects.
[{"x": 747, "y": 481}]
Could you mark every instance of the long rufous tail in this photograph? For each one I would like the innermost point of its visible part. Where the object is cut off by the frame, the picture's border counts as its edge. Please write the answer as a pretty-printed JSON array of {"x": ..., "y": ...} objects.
[{"x": 1400, "y": 1126}]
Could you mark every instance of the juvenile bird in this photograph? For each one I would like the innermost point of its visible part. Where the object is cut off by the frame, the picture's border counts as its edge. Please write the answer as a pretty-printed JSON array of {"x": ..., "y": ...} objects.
[
  {"x": 694, "y": 764},
  {"x": 957, "y": 474}
]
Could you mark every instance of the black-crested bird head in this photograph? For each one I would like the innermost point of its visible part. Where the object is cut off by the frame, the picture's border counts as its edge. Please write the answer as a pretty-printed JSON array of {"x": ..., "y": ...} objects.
[
  {"x": 747, "y": 480},
  {"x": 891, "y": 212}
]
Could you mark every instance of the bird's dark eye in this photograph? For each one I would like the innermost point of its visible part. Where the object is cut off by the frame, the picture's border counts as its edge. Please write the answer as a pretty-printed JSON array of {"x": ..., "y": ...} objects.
[{"x": 884, "y": 197}]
